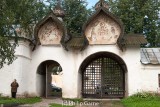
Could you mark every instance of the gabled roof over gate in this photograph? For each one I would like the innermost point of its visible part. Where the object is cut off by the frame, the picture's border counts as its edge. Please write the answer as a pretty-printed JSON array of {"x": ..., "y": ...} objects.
[
  {"x": 72, "y": 42},
  {"x": 122, "y": 40},
  {"x": 133, "y": 39}
]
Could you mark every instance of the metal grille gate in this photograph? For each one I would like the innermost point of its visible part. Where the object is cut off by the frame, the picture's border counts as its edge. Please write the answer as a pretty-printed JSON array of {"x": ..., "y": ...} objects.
[{"x": 103, "y": 78}]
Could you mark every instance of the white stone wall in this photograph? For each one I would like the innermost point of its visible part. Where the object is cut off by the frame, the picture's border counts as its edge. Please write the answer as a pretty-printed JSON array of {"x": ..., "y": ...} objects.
[
  {"x": 149, "y": 78},
  {"x": 64, "y": 58},
  {"x": 138, "y": 77},
  {"x": 17, "y": 70},
  {"x": 70, "y": 62},
  {"x": 132, "y": 59}
]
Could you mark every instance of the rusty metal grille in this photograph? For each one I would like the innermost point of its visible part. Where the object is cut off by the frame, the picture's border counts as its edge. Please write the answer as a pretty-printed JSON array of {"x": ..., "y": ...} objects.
[{"x": 103, "y": 78}]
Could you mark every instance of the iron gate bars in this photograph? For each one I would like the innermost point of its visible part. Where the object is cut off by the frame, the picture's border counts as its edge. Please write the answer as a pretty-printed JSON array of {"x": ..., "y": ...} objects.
[{"x": 103, "y": 78}]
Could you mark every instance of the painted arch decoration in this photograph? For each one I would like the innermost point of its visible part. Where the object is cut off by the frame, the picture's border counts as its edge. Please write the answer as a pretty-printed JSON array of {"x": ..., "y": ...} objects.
[
  {"x": 103, "y": 30},
  {"x": 50, "y": 31},
  {"x": 50, "y": 34},
  {"x": 103, "y": 27}
]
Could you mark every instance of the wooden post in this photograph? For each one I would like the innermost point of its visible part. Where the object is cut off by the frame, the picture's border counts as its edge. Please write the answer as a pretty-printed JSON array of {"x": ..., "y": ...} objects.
[
  {"x": 46, "y": 82},
  {"x": 1, "y": 105}
]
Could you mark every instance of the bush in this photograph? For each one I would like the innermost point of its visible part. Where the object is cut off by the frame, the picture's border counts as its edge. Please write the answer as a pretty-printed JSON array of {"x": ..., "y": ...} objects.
[
  {"x": 142, "y": 99},
  {"x": 146, "y": 95}
]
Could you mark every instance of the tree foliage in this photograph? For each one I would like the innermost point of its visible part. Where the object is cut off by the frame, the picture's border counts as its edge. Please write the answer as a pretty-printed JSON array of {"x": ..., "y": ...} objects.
[
  {"x": 16, "y": 14},
  {"x": 24, "y": 14},
  {"x": 139, "y": 16},
  {"x": 76, "y": 14},
  {"x": 6, "y": 52}
]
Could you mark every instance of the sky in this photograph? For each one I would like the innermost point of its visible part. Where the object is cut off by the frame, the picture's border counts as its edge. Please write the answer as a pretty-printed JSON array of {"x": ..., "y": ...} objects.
[{"x": 91, "y": 3}]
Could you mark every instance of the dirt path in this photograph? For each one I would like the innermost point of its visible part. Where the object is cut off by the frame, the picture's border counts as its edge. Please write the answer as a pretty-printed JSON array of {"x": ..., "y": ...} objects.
[
  {"x": 111, "y": 104},
  {"x": 103, "y": 103}
]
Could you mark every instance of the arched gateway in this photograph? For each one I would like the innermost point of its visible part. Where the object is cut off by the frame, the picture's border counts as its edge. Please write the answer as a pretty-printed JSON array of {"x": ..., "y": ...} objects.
[
  {"x": 46, "y": 72},
  {"x": 103, "y": 76}
]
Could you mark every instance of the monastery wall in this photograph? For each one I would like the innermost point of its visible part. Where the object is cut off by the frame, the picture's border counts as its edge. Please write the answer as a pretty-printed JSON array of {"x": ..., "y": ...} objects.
[
  {"x": 17, "y": 70},
  {"x": 71, "y": 61},
  {"x": 138, "y": 77}
]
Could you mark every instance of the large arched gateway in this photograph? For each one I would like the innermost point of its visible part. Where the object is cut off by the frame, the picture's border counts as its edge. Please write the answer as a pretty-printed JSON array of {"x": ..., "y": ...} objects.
[{"x": 103, "y": 76}]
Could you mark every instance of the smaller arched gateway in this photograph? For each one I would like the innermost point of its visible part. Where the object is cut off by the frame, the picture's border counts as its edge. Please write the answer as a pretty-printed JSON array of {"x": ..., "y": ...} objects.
[
  {"x": 49, "y": 79},
  {"x": 103, "y": 76}
]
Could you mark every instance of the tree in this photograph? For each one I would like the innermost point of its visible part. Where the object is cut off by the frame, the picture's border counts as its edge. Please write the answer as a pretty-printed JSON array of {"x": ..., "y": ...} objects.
[
  {"x": 76, "y": 14},
  {"x": 139, "y": 16},
  {"x": 16, "y": 14},
  {"x": 24, "y": 14}
]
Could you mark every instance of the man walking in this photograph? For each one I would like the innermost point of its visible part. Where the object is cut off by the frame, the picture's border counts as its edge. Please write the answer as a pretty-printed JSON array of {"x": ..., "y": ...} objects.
[{"x": 14, "y": 86}]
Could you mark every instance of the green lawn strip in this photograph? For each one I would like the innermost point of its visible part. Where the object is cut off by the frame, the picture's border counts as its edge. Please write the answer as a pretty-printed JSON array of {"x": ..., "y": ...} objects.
[
  {"x": 4, "y": 100},
  {"x": 59, "y": 105},
  {"x": 150, "y": 101}
]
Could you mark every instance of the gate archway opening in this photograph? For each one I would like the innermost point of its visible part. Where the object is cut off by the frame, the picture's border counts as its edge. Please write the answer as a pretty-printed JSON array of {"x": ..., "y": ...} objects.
[
  {"x": 103, "y": 75},
  {"x": 49, "y": 79}
]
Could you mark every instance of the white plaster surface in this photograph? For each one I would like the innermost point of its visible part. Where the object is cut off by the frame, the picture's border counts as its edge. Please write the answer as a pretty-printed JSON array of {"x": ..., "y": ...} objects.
[{"x": 138, "y": 77}]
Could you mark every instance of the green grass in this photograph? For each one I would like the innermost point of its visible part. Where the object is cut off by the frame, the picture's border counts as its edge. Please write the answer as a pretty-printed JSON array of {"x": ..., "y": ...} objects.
[
  {"x": 142, "y": 100},
  {"x": 59, "y": 105},
  {"x": 7, "y": 100}
]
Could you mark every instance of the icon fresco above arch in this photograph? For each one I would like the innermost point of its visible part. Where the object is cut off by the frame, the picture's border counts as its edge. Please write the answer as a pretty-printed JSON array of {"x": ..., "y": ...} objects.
[{"x": 103, "y": 30}]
